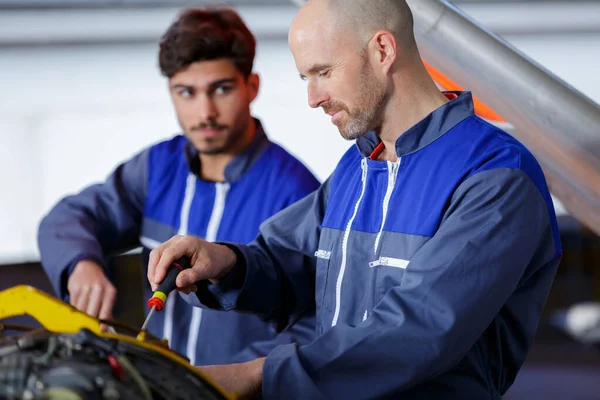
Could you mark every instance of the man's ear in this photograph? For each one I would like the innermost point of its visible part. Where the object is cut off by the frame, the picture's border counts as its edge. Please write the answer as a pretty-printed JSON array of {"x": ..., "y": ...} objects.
[
  {"x": 253, "y": 83},
  {"x": 383, "y": 48}
]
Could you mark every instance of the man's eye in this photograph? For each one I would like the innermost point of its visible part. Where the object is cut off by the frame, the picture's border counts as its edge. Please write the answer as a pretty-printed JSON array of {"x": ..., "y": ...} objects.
[
  {"x": 324, "y": 74},
  {"x": 222, "y": 90},
  {"x": 186, "y": 93}
]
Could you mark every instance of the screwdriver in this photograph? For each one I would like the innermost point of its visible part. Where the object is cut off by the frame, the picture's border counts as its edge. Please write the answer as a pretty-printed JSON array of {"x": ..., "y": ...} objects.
[{"x": 158, "y": 299}]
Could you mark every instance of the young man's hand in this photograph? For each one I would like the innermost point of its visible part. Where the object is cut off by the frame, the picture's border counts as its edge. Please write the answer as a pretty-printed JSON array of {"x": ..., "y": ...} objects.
[
  {"x": 90, "y": 290},
  {"x": 209, "y": 261},
  {"x": 243, "y": 380}
]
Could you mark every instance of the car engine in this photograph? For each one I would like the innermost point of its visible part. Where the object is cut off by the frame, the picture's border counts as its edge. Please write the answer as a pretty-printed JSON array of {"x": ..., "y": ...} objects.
[{"x": 86, "y": 364}]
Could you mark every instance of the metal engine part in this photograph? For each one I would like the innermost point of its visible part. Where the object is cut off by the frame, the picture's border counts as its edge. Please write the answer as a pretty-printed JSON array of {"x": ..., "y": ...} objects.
[
  {"x": 46, "y": 365},
  {"x": 75, "y": 363}
]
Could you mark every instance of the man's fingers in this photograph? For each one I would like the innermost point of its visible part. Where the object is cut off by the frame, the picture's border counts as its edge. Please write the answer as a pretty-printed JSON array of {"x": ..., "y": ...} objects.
[
  {"x": 152, "y": 261},
  {"x": 95, "y": 300},
  {"x": 83, "y": 297},
  {"x": 175, "y": 248},
  {"x": 110, "y": 295},
  {"x": 164, "y": 258},
  {"x": 188, "y": 277},
  {"x": 74, "y": 296},
  {"x": 158, "y": 257}
]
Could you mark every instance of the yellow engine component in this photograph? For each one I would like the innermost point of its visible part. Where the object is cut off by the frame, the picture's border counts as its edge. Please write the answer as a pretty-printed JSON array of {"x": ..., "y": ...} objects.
[
  {"x": 60, "y": 317},
  {"x": 53, "y": 314}
]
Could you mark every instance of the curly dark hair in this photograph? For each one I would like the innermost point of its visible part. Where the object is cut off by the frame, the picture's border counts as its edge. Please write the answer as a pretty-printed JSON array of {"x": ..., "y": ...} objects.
[{"x": 207, "y": 33}]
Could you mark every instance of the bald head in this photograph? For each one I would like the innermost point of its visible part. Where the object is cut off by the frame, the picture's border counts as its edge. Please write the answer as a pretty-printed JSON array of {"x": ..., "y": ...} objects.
[
  {"x": 359, "y": 20},
  {"x": 355, "y": 55},
  {"x": 364, "y": 18}
]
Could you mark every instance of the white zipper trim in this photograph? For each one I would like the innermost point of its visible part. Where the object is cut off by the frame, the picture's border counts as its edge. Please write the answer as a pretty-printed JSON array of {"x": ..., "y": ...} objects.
[
  {"x": 323, "y": 254},
  {"x": 389, "y": 262},
  {"x": 149, "y": 243},
  {"x": 393, "y": 168},
  {"x": 338, "y": 286},
  {"x": 211, "y": 235},
  {"x": 193, "y": 335},
  {"x": 184, "y": 216},
  {"x": 168, "y": 321},
  {"x": 217, "y": 213},
  {"x": 190, "y": 190}
]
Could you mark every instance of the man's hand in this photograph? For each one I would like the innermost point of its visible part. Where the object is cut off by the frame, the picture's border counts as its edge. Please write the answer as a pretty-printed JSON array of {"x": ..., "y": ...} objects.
[
  {"x": 208, "y": 261},
  {"x": 244, "y": 380},
  {"x": 90, "y": 291}
]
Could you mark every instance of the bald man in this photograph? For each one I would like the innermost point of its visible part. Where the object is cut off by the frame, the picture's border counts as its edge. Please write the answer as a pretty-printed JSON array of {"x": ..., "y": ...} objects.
[{"x": 428, "y": 253}]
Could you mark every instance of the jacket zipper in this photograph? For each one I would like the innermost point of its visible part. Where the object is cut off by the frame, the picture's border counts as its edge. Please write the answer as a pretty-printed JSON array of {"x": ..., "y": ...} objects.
[
  {"x": 389, "y": 262},
  {"x": 338, "y": 286},
  {"x": 222, "y": 189},
  {"x": 393, "y": 168}
]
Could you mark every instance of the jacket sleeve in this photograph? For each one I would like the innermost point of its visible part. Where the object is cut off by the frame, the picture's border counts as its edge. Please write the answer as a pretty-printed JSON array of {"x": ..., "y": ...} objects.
[
  {"x": 302, "y": 331},
  {"x": 451, "y": 290},
  {"x": 279, "y": 266},
  {"x": 102, "y": 219}
]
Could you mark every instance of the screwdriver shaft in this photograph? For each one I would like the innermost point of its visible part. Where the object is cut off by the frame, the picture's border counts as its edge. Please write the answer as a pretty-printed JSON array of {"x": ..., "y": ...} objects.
[{"x": 148, "y": 318}]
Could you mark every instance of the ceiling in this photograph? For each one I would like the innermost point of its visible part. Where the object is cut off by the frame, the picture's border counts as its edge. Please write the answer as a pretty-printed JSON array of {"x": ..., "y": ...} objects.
[
  {"x": 22, "y": 4},
  {"x": 83, "y": 22}
]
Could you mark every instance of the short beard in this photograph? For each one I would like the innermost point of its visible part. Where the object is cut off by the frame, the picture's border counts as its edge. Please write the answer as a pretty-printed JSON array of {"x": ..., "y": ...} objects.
[
  {"x": 234, "y": 134},
  {"x": 372, "y": 95}
]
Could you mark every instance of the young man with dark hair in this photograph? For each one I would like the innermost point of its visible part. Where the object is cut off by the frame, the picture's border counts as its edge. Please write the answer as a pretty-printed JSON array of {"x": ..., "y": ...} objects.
[{"x": 219, "y": 180}]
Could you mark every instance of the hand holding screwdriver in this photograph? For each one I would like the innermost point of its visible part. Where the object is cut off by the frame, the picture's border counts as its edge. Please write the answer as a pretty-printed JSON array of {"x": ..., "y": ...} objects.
[
  {"x": 209, "y": 261},
  {"x": 166, "y": 286}
]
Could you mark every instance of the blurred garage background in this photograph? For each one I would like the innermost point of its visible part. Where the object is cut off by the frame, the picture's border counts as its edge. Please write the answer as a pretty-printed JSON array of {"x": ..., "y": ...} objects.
[{"x": 80, "y": 92}]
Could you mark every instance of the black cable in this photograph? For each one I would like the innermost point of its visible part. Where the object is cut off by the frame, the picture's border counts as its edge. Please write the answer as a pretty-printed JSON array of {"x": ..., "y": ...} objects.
[{"x": 14, "y": 327}]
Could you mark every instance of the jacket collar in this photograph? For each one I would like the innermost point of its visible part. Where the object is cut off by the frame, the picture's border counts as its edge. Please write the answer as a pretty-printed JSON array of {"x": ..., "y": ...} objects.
[
  {"x": 428, "y": 129},
  {"x": 241, "y": 163}
]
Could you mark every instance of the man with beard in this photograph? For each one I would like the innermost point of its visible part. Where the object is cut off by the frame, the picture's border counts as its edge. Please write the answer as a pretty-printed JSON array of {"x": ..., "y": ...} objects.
[
  {"x": 219, "y": 180},
  {"x": 428, "y": 253}
]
